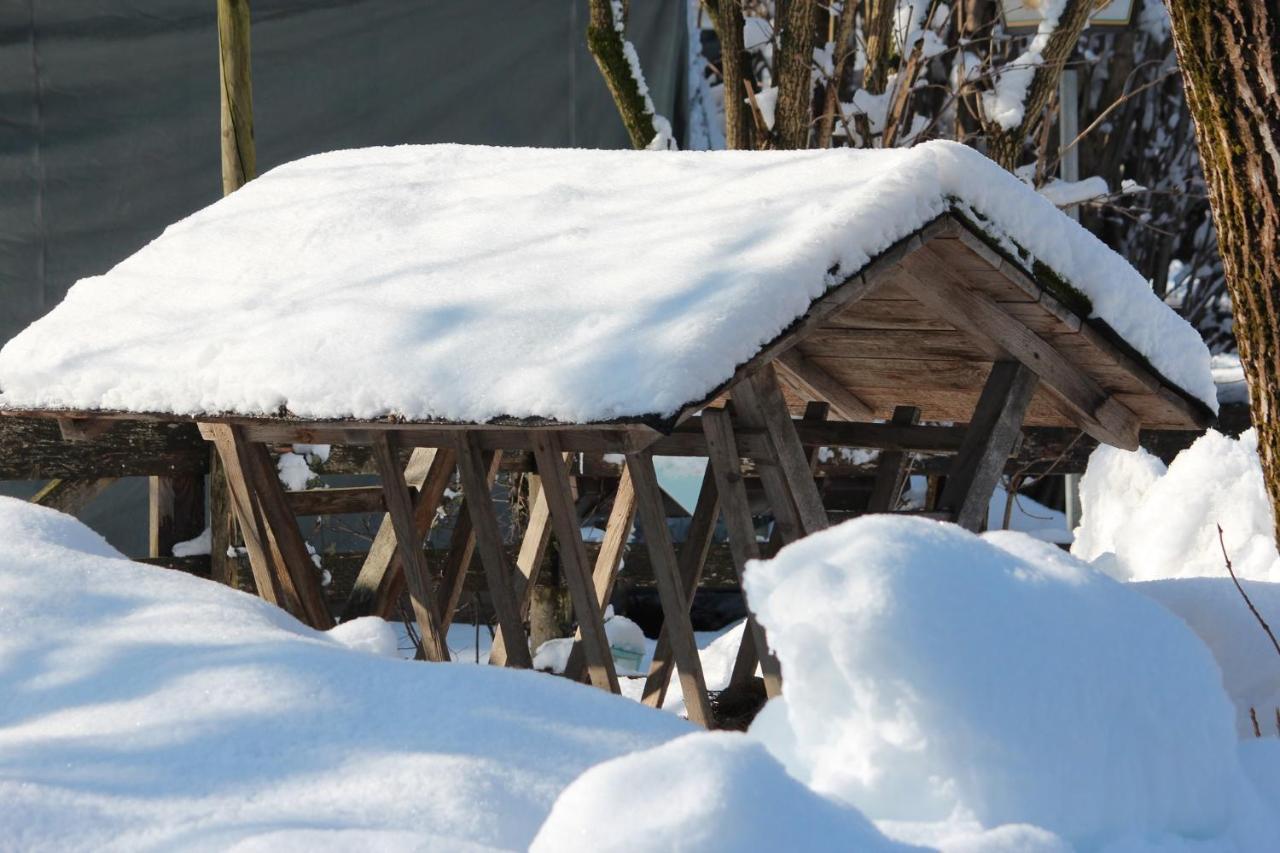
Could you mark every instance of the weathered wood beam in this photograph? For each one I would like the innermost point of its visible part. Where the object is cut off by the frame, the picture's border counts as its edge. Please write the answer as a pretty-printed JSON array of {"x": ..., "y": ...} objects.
[
  {"x": 931, "y": 281},
  {"x": 994, "y": 429},
  {"x": 620, "y": 438},
  {"x": 32, "y": 448},
  {"x": 493, "y": 556},
  {"x": 891, "y": 467},
  {"x": 408, "y": 535},
  {"x": 381, "y": 581},
  {"x": 338, "y": 500},
  {"x": 666, "y": 571},
  {"x": 84, "y": 429},
  {"x": 742, "y": 536},
  {"x": 252, "y": 527},
  {"x": 692, "y": 558},
  {"x": 457, "y": 562},
  {"x": 573, "y": 561},
  {"x": 70, "y": 495},
  {"x": 817, "y": 383},
  {"x": 299, "y": 578},
  {"x": 533, "y": 546},
  {"x": 176, "y": 512}
]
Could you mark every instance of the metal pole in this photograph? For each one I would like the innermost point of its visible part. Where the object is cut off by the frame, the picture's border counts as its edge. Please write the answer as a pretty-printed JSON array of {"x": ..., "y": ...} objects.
[{"x": 1069, "y": 170}]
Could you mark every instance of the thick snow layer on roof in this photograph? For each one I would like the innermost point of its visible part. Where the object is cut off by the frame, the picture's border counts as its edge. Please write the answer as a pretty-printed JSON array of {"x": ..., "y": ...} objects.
[
  {"x": 466, "y": 283},
  {"x": 147, "y": 709}
]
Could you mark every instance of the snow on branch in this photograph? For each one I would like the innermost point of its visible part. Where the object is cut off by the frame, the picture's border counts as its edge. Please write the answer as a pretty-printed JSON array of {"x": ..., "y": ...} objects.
[{"x": 620, "y": 65}]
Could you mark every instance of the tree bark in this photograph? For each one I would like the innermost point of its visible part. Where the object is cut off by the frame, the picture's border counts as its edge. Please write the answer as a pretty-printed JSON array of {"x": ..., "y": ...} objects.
[
  {"x": 794, "y": 113},
  {"x": 735, "y": 70},
  {"x": 607, "y": 46},
  {"x": 1005, "y": 146},
  {"x": 1227, "y": 50}
]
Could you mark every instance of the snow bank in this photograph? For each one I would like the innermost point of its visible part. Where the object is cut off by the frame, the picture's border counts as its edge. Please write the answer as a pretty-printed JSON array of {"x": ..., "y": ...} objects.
[
  {"x": 932, "y": 676},
  {"x": 709, "y": 792},
  {"x": 146, "y": 708},
  {"x": 466, "y": 283},
  {"x": 1215, "y": 610},
  {"x": 1141, "y": 522}
]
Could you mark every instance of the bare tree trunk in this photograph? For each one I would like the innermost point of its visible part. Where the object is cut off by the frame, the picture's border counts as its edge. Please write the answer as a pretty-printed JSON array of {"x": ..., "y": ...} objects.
[
  {"x": 1228, "y": 51},
  {"x": 735, "y": 71},
  {"x": 844, "y": 49},
  {"x": 607, "y": 45},
  {"x": 794, "y": 112}
]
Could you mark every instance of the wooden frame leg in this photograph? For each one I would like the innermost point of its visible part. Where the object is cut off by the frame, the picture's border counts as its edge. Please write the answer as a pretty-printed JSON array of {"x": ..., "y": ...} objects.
[
  {"x": 245, "y": 509},
  {"x": 381, "y": 579},
  {"x": 666, "y": 572},
  {"x": 989, "y": 440},
  {"x": 175, "y": 511},
  {"x": 617, "y": 531},
  {"x": 759, "y": 404},
  {"x": 533, "y": 549},
  {"x": 462, "y": 547},
  {"x": 497, "y": 565},
  {"x": 692, "y": 557},
  {"x": 891, "y": 469},
  {"x": 573, "y": 559},
  {"x": 722, "y": 449},
  {"x": 407, "y": 537}
]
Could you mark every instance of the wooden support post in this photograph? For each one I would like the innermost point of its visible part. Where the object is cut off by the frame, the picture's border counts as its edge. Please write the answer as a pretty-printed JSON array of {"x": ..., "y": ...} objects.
[
  {"x": 175, "y": 512},
  {"x": 666, "y": 573},
  {"x": 223, "y": 567},
  {"x": 617, "y": 530},
  {"x": 497, "y": 565},
  {"x": 462, "y": 547},
  {"x": 533, "y": 549},
  {"x": 726, "y": 463},
  {"x": 573, "y": 559},
  {"x": 693, "y": 556},
  {"x": 408, "y": 540},
  {"x": 381, "y": 581},
  {"x": 991, "y": 437},
  {"x": 299, "y": 578},
  {"x": 240, "y": 497},
  {"x": 891, "y": 468}
]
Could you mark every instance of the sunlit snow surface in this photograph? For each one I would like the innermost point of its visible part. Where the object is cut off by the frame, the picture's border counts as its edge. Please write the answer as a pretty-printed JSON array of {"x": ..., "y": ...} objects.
[{"x": 467, "y": 283}]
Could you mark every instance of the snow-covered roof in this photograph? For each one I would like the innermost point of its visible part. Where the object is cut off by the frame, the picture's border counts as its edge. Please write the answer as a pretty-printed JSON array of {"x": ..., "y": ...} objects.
[{"x": 461, "y": 283}]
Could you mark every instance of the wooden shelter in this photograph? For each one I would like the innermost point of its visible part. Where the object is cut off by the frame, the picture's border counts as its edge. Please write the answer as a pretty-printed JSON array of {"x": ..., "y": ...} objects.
[{"x": 944, "y": 342}]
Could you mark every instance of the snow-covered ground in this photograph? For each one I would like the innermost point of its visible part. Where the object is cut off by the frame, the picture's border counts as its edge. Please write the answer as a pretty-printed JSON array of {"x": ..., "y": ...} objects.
[{"x": 942, "y": 691}]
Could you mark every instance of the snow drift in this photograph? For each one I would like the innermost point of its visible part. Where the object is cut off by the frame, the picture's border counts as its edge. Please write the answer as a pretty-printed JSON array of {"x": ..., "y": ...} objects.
[
  {"x": 932, "y": 676},
  {"x": 707, "y": 792},
  {"x": 466, "y": 283},
  {"x": 142, "y": 708},
  {"x": 1140, "y": 521}
]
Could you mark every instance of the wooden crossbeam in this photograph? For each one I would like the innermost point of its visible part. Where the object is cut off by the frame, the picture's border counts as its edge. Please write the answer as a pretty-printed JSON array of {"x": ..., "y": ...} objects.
[
  {"x": 457, "y": 561},
  {"x": 493, "y": 555},
  {"x": 1003, "y": 336},
  {"x": 338, "y": 500},
  {"x": 573, "y": 561},
  {"x": 891, "y": 467},
  {"x": 692, "y": 558},
  {"x": 992, "y": 434},
  {"x": 666, "y": 573},
  {"x": 381, "y": 581},
  {"x": 407, "y": 535},
  {"x": 725, "y": 463},
  {"x": 760, "y": 404},
  {"x": 617, "y": 531},
  {"x": 817, "y": 383}
]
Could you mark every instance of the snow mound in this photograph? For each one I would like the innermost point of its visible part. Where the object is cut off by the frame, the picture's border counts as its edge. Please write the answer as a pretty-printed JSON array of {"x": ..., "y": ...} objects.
[
  {"x": 709, "y": 792},
  {"x": 1140, "y": 522},
  {"x": 568, "y": 284},
  {"x": 1215, "y": 610},
  {"x": 931, "y": 675},
  {"x": 145, "y": 708}
]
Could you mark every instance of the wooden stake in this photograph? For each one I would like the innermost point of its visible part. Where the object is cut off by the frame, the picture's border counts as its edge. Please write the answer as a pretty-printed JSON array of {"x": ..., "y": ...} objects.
[
  {"x": 992, "y": 433},
  {"x": 408, "y": 540},
  {"x": 573, "y": 559},
  {"x": 666, "y": 572},
  {"x": 462, "y": 547},
  {"x": 891, "y": 468},
  {"x": 239, "y": 160},
  {"x": 175, "y": 512}
]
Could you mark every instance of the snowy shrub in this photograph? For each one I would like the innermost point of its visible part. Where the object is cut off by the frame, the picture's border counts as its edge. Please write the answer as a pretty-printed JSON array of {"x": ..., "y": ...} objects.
[
  {"x": 1140, "y": 522},
  {"x": 932, "y": 675}
]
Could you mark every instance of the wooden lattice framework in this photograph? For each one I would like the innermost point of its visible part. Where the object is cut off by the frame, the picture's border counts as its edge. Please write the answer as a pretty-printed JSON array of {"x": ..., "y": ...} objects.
[{"x": 941, "y": 327}]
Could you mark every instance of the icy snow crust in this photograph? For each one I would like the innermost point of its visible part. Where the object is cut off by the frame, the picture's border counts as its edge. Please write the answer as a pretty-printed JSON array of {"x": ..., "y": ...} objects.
[{"x": 467, "y": 283}]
